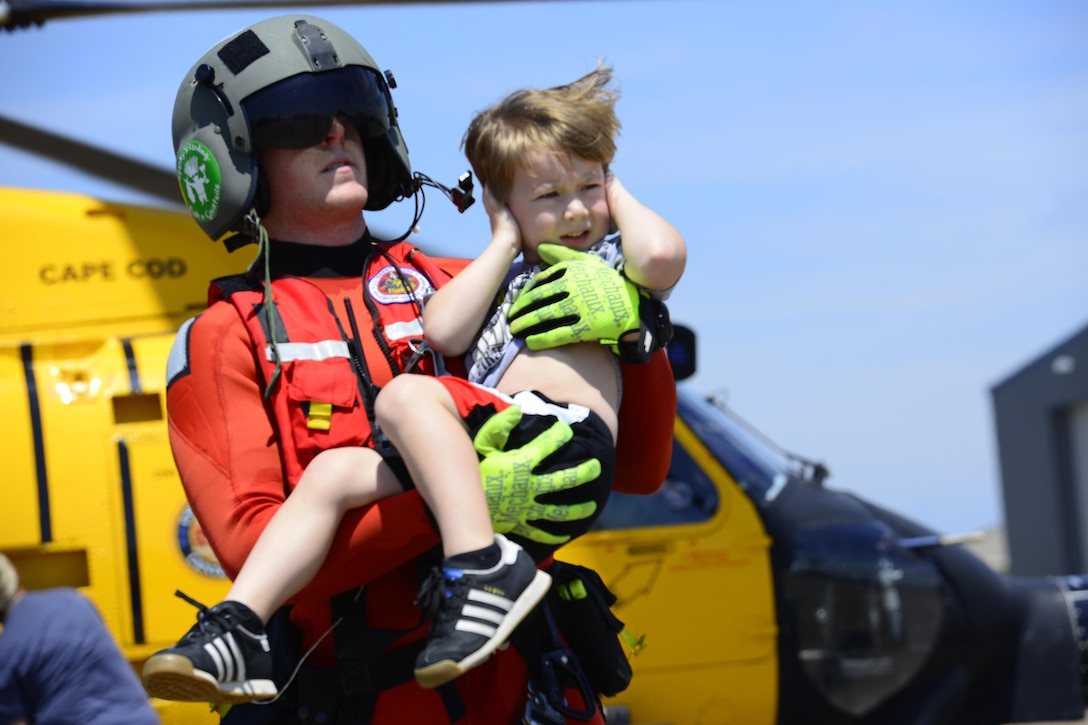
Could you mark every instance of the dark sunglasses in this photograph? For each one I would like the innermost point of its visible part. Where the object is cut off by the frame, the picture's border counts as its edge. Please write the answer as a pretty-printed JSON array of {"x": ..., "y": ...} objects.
[{"x": 297, "y": 132}]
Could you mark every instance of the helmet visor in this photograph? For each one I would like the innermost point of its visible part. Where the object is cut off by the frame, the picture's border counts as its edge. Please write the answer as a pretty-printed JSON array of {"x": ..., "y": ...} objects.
[{"x": 297, "y": 112}]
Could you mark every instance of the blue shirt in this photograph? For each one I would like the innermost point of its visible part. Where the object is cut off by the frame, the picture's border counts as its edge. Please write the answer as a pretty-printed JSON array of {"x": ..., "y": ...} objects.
[{"x": 59, "y": 665}]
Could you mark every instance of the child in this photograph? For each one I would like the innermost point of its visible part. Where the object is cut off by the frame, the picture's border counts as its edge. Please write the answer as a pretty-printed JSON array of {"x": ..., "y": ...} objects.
[{"x": 542, "y": 156}]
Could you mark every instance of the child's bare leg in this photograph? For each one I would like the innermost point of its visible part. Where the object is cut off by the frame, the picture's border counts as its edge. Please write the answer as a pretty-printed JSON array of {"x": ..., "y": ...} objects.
[
  {"x": 294, "y": 544},
  {"x": 487, "y": 583},
  {"x": 422, "y": 421}
]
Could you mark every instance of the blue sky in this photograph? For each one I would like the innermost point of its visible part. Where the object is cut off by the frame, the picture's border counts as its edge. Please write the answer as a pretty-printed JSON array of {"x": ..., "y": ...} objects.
[{"x": 886, "y": 204}]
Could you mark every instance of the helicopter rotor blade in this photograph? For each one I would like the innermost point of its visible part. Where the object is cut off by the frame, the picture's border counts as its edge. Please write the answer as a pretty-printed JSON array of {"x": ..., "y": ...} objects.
[
  {"x": 26, "y": 13},
  {"x": 155, "y": 181}
]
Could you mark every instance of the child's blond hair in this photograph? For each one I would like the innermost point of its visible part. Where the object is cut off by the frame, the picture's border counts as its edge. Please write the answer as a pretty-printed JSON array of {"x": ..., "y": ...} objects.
[{"x": 578, "y": 118}]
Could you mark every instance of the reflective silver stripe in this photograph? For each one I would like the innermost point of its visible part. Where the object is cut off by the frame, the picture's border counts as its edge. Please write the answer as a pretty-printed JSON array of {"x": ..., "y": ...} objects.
[
  {"x": 400, "y": 330},
  {"x": 178, "y": 362},
  {"x": 308, "y": 350}
]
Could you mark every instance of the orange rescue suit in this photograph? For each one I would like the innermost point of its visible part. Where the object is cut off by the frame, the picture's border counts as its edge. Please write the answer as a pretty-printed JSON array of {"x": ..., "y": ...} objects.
[{"x": 238, "y": 467}]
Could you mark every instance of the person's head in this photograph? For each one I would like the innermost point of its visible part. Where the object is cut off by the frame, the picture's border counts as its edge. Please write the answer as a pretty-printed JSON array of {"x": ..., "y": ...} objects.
[
  {"x": 9, "y": 585},
  {"x": 289, "y": 108},
  {"x": 544, "y": 153}
]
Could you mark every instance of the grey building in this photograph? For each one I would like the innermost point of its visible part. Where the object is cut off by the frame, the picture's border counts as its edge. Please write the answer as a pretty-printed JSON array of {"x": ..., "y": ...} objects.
[{"x": 1041, "y": 416}]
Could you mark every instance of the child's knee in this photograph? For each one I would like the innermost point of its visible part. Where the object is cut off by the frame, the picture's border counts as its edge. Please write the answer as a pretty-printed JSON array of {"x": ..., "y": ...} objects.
[{"x": 401, "y": 396}]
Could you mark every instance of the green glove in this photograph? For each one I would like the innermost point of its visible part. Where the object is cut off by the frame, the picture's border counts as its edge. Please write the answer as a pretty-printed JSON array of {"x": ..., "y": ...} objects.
[
  {"x": 578, "y": 298},
  {"x": 511, "y": 485}
]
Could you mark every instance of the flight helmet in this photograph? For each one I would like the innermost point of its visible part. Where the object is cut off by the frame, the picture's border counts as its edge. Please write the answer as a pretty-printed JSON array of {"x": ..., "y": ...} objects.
[{"x": 278, "y": 83}]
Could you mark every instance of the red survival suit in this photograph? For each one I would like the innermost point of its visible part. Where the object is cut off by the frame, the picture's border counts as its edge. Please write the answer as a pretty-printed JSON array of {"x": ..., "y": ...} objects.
[{"x": 234, "y": 461}]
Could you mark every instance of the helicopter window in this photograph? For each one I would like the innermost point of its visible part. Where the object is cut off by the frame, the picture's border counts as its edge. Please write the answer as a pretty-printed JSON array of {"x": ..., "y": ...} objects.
[
  {"x": 756, "y": 465},
  {"x": 687, "y": 496}
]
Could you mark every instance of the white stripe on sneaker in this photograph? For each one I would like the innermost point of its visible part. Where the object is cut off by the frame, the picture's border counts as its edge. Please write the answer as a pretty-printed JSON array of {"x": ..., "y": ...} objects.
[
  {"x": 230, "y": 664},
  {"x": 493, "y": 599},
  {"x": 239, "y": 659},
  {"x": 489, "y": 615},
  {"x": 467, "y": 625},
  {"x": 212, "y": 648}
]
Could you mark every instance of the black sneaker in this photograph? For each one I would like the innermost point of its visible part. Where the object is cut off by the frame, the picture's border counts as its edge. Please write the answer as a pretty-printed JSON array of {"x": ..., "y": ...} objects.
[
  {"x": 223, "y": 658},
  {"x": 475, "y": 611}
]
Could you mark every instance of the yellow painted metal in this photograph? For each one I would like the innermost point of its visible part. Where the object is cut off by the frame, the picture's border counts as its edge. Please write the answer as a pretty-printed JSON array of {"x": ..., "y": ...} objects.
[
  {"x": 19, "y": 510},
  {"x": 184, "y": 713},
  {"x": 91, "y": 497},
  {"x": 73, "y": 263},
  {"x": 702, "y": 595}
]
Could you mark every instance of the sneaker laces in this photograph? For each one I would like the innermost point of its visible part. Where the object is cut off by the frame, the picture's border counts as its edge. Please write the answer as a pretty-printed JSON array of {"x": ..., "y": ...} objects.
[
  {"x": 216, "y": 622},
  {"x": 431, "y": 593},
  {"x": 207, "y": 619},
  {"x": 436, "y": 590}
]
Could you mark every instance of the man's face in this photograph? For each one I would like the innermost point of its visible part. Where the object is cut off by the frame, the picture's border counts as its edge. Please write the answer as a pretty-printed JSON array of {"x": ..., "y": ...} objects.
[
  {"x": 322, "y": 179},
  {"x": 558, "y": 198}
]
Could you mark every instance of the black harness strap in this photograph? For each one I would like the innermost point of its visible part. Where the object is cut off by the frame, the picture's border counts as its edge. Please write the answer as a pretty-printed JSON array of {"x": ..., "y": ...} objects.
[
  {"x": 363, "y": 666},
  {"x": 367, "y": 389},
  {"x": 451, "y": 698}
]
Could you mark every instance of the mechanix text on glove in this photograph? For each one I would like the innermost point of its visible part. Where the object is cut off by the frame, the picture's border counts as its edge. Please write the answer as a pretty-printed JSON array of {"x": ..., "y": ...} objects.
[
  {"x": 511, "y": 485},
  {"x": 579, "y": 298}
]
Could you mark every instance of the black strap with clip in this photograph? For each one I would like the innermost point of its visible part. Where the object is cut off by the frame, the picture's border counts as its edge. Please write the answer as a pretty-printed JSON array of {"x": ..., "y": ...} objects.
[{"x": 556, "y": 670}]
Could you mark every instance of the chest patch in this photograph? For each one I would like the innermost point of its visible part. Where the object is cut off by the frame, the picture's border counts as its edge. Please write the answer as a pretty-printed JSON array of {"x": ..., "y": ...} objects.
[{"x": 391, "y": 285}]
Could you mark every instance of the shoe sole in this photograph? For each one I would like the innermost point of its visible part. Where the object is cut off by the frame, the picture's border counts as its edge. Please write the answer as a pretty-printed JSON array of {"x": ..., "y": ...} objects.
[
  {"x": 440, "y": 673},
  {"x": 172, "y": 677}
]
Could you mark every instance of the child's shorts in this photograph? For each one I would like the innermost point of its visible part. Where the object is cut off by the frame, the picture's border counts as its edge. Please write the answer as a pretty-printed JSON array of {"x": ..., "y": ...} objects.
[{"x": 592, "y": 439}]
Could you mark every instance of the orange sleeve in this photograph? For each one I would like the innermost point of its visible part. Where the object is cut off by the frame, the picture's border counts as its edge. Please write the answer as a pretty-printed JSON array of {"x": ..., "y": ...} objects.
[
  {"x": 227, "y": 454},
  {"x": 647, "y": 415}
]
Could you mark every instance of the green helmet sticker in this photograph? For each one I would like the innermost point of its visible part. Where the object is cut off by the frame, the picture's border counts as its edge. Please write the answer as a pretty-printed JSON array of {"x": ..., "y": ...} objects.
[{"x": 200, "y": 180}]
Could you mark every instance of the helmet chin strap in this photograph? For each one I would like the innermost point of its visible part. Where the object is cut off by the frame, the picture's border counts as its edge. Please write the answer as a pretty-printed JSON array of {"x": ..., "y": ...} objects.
[{"x": 253, "y": 230}]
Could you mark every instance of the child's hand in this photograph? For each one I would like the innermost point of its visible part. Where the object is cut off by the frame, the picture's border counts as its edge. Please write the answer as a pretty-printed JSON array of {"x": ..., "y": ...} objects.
[{"x": 504, "y": 227}]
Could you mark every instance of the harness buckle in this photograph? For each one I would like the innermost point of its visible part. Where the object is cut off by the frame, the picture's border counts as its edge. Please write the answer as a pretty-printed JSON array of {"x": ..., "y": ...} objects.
[{"x": 420, "y": 348}]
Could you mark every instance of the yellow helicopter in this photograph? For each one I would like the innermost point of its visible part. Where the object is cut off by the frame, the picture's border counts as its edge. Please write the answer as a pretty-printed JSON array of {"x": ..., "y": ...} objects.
[{"x": 761, "y": 595}]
